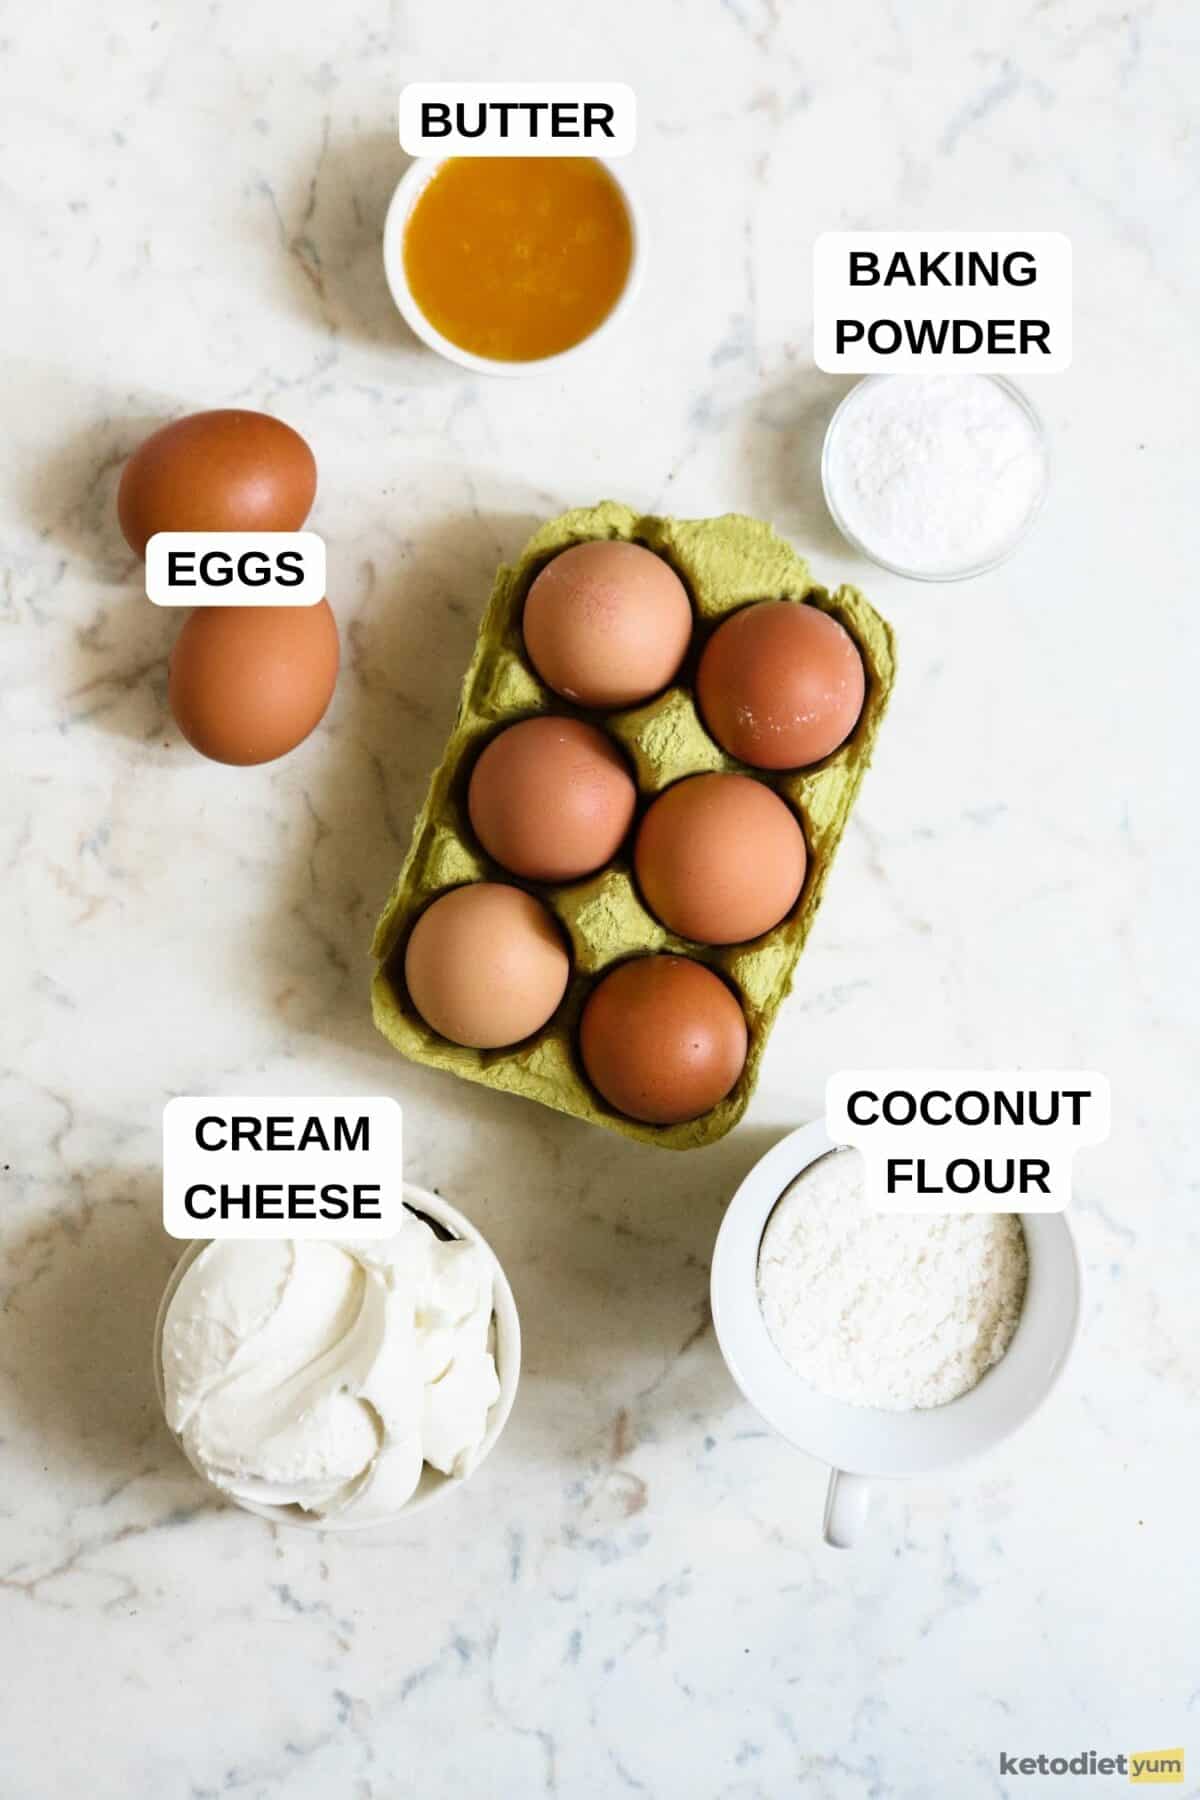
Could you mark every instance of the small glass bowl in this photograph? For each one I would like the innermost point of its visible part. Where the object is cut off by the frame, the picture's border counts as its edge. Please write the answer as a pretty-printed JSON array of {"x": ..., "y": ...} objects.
[{"x": 967, "y": 571}]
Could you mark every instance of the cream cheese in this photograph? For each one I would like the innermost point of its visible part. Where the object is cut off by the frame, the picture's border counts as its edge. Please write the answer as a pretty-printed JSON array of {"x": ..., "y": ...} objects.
[{"x": 326, "y": 1375}]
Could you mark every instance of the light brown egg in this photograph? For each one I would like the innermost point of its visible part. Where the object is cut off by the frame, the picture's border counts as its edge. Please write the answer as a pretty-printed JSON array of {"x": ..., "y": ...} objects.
[
  {"x": 720, "y": 858},
  {"x": 551, "y": 799},
  {"x": 781, "y": 685},
  {"x": 226, "y": 470},
  {"x": 248, "y": 683},
  {"x": 663, "y": 1039},
  {"x": 607, "y": 624},
  {"x": 486, "y": 965}
]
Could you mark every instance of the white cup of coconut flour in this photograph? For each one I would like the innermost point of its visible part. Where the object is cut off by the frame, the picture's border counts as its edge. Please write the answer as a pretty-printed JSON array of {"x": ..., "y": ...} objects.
[{"x": 863, "y": 1443}]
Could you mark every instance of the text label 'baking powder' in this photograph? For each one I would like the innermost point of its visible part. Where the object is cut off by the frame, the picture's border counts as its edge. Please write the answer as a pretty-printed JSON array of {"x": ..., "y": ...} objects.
[{"x": 986, "y": 301}]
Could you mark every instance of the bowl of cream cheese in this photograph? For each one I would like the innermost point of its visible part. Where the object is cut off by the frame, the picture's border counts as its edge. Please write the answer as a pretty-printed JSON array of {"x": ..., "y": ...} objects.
[{"x": 339, "y": 1385}]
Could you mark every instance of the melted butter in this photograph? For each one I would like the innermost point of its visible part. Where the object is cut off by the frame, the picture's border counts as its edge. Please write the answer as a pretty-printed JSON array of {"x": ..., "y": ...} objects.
[{"x": 518, "y": 257}]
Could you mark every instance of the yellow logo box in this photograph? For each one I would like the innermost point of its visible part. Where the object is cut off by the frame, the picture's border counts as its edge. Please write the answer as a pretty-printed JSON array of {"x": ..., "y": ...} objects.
[{"x": 1153, "y": 1767}]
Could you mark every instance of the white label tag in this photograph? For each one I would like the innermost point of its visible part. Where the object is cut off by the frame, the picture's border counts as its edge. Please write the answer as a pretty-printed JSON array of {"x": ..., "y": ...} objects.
[
  {"x": 967, "y": 1140},
  {"x": 973, "y": 300},
  {"x": 235, "y": 568},
  {"x": 518, "y": 118},
  {"x": 282, "y": 1167}
]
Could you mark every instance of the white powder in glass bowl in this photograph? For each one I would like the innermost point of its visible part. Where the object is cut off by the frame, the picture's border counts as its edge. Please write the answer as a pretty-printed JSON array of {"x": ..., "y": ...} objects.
[
  {"x": 895, "y": 1310},
  {"x": 936, "y": 476}
]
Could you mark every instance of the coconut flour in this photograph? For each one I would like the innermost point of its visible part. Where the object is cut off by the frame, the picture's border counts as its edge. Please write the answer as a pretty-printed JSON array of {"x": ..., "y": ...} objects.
[
  {"x": 895, "y": 1310},
  {"x": 935, "y": 474}
]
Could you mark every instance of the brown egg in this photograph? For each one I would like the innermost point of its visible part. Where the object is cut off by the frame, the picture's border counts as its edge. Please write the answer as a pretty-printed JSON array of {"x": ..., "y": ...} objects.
[
  {"x": 217, "y": 471},
  {"x": 607, "y": 624},
  {"x": 551, "y": 799},
  {"x": 663, "y": 1039},
  {"x": 720, "y": 858},
  {"x": 486, "y": 965},
  {"x": 248, "y": 683},
  {"x": 781, "y": 685}
]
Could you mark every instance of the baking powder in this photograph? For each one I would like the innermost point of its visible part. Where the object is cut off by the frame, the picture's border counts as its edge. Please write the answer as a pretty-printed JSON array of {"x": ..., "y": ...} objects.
[{"x": 935, "y": 474}]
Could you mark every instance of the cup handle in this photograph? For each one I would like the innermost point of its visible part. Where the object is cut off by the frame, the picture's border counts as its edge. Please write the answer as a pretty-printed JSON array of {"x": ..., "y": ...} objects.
[{"x": 847, "y": 1503}]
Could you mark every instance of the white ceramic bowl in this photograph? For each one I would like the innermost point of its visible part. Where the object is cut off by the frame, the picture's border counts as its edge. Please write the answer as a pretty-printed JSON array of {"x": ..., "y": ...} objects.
[
  {"x": 968, "y": 570},
  {"x": 863, "y": 1442},
  {"x": 408, "y": 190},
  {"x": 433, "y": 1485}
]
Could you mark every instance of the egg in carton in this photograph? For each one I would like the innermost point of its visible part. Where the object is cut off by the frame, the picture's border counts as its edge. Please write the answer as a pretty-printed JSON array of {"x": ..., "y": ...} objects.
[{"x": 725, "y": 563}]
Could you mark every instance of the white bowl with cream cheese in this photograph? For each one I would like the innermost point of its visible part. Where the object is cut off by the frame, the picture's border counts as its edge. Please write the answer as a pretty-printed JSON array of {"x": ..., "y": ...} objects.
[{"x": 339, "y": 1386}]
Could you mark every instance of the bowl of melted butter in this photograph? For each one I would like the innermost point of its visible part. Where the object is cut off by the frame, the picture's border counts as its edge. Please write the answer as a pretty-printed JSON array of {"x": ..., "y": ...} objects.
[{"x": 509, "y": 264}]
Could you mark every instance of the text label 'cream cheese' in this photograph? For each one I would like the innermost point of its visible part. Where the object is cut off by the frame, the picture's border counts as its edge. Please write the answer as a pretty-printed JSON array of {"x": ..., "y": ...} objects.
[{"x": 275, "y": 1167}]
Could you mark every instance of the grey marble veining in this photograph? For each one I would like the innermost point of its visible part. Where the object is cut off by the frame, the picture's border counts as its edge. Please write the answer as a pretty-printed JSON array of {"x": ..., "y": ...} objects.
[{"x": 632, "y": 1597}]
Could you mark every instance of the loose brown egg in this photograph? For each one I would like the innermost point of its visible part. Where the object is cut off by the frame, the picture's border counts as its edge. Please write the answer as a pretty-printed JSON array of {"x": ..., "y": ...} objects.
[
  {"x": 226, "y": 470},
  {"x": 663, "y": 1039},
  {"x": 486, "y": 965},
  {"x": 551, "y": 799},
  {"x": 781, "y": 685},
  {"x": 720, "y": 858},
  {"x": 248, "y": 683},
  {"x": 607, "y": 624}
]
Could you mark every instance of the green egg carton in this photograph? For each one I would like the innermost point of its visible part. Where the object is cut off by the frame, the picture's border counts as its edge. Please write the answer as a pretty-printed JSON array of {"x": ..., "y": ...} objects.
[{"x": 725, "y": 563}]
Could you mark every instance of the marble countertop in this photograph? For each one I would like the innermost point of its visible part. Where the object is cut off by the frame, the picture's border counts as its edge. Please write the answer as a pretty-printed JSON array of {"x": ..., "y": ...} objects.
[{"x": 633, "y": 1595}]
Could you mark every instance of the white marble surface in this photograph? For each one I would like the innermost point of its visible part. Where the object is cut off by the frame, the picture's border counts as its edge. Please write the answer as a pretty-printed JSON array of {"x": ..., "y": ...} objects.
[{"x": 633, "y": 1595}]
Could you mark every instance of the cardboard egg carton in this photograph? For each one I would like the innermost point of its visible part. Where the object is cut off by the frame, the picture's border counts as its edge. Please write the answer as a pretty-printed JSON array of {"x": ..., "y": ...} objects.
[{"x": 725, "y": 563}]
